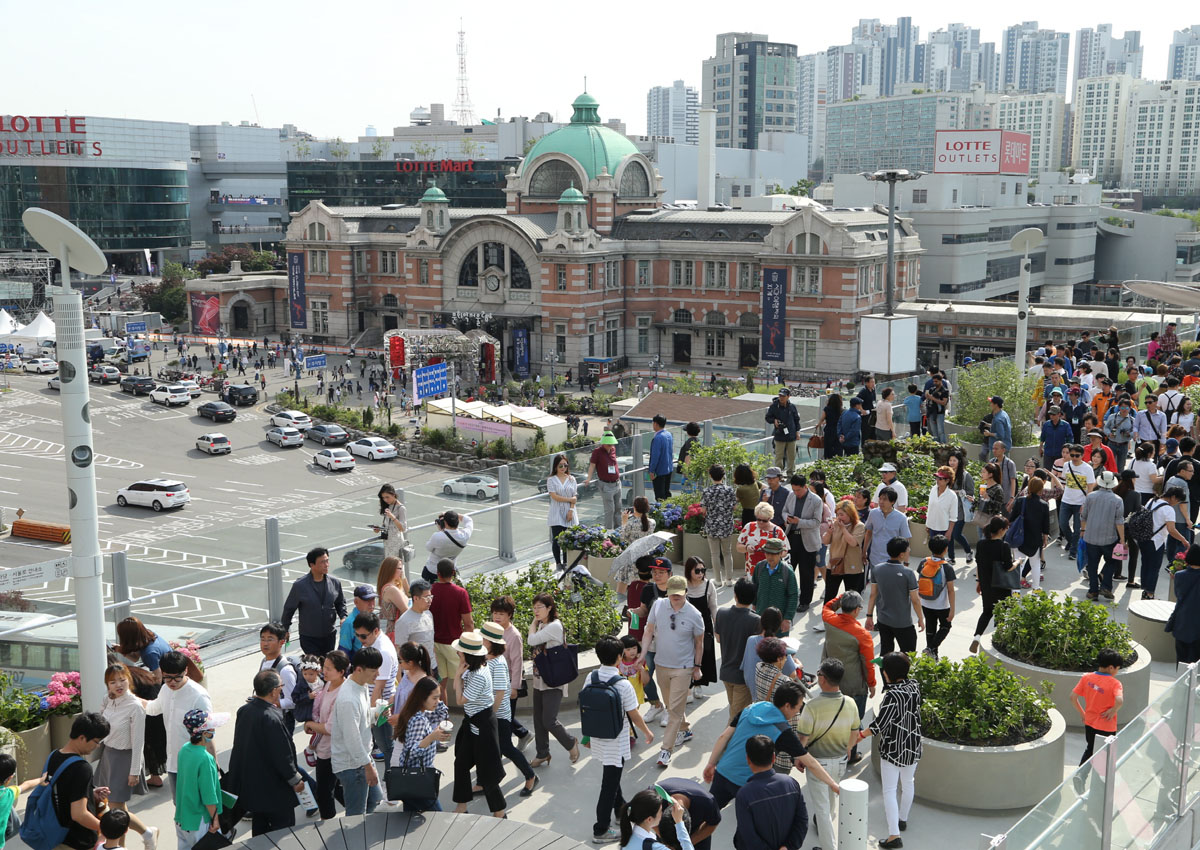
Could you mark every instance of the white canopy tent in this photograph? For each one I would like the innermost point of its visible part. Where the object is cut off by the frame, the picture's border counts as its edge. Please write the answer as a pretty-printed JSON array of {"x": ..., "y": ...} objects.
[
  {"x": 37, "y": 331},
  {"x": 485, "y": 422},
  {"x": 7, "y": 325}
]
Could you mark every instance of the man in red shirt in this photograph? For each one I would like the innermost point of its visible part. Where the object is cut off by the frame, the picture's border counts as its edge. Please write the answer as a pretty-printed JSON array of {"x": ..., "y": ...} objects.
[
  {"x": 1096, "y": 444},
  {"x": 603, "y": 464},
  {"x": 451, "y": 609}
]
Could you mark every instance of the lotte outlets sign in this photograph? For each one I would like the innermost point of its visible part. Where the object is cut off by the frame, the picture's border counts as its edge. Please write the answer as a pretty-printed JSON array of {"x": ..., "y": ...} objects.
[{"x": 981, "y": 152}]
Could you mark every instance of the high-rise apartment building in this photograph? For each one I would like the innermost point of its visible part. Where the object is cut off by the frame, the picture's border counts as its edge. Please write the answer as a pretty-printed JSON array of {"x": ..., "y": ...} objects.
[
  {"x": 674, "y": 110},
  {"x": 1035, "y": 60},
  {"x": 1162, "y": 138},
  {"x": 1183, "y": 57},
  {"x": 890, "y": 132},
  {"x": 1098, "y": 126},
  {"x": 811, "y": 76},
  {"x": 751, "y": 82},
  {"x": 1043, "y": 117},
  {"x": 1098, "y": 53}
]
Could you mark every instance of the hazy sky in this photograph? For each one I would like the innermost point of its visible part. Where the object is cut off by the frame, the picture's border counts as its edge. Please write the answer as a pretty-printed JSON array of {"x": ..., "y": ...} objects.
[{"x": 333, "y": 68}]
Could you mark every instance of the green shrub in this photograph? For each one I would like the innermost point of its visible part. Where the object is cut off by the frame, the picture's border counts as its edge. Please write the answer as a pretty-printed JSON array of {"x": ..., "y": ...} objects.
[
  {"x": 587, "y": 615},
  {"x": 1058, "y": 632},
  {"x": 980, "y": 382},
  {"x": 367, "y": 417},
  {"x": 979, "y": 704},
  {"x": 728, "y": 453},
  {"x": 20, "y": 709},
  {"x": 394, "y": 431}
]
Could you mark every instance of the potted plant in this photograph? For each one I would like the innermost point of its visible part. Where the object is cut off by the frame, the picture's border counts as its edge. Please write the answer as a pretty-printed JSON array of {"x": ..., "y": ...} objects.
[
  {"x": 989, "y": 740},
  {"x": 64, "y": 701},
  {"x": 695, "y": 542},
  {"x": 23, "y": 713},
  {"x": 601, "y": 545},
  {"x": 972, "y": 402},
  {"x": 1055, "y": 639},
  {"x": 918, "y": 546},
  {"x": 1175, "y": 566},
  {"x": 725, "y": 453}
]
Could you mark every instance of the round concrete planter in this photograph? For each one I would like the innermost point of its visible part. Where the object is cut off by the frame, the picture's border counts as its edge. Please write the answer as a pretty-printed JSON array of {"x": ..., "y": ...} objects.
[
  {"x": 33, "y": 748},
  {"x": 955, "y": 428},
  {"x": 990, "y": 778},
  {"x": 1147, "y": 619},
  {"x": 694, "y": 546},
  {"x": 1135, "y": 681},
  {"x": 918, "y": 544}
]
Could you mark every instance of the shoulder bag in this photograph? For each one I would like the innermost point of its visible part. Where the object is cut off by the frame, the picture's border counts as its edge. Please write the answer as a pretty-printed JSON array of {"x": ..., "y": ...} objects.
[
  {"x": 412, "y": 783},
  {"x": 816, "y": 441},
  {"x": 557, "y": 666},
  {"x": 1006, "y": 578}
]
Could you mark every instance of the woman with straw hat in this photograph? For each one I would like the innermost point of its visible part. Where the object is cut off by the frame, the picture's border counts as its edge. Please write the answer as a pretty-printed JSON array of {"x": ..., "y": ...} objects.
[{"x": 476, "y": 745}]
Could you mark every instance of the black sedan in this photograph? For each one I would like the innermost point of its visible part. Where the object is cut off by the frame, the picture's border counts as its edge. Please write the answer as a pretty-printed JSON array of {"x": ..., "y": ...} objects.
[
  {"x": 137, "y": 384},
  {"x": 328, "y": 435},
  {"x": 217, "y": 411},
  {"x": 366, "y": 558}
]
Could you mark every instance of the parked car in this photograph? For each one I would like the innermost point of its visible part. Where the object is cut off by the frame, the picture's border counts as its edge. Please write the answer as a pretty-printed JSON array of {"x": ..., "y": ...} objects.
[
  {"x": 170, "y": 395},
  {"x": 479, "y": 486},
  {"x": 55, "y": 383},
  {"x": 156, "y": 493},
  {"x": 293, "y": 419},
  {"x": 328, "y": 434},
  {"x": 334, "y": 460},
  {"x": 192, "y": 387},
  {"x": 40, "y": 365},
  {"x": 241, "y": 394},
  {"x": 364, "y": 558},
  {"x": 372, "y": 448},
  {"x": 284, "y": 437},
  {"x": 217, "y": 411},
  {"x": 103, "y": 373},
  {"x": 214, "y": 444},
  {"x": 137, "y": 384}
]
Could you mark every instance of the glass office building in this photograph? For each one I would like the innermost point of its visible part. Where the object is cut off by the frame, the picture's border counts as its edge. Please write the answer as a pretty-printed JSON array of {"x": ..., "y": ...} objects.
[{"x": 467, "y": 183}]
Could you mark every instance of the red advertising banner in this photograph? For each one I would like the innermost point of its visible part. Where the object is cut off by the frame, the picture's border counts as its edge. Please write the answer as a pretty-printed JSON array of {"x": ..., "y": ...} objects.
[
  {"x": 981, "y": 152},
  {"x": 206, "y": 314},
  {"x": 396, "y": 350}
]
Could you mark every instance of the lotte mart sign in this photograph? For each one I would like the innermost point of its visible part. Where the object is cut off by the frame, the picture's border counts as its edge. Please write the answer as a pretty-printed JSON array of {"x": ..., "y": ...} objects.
[{"x": 981, "y": 152}]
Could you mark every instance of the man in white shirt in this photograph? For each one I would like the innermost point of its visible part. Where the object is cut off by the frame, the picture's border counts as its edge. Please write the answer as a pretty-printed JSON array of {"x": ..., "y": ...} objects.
[
  {"x": 888, "y": 473},
  {"x": 416, "y": 624},
  {"x": 452, "y": 537},
  {"x": 366, "y": 629},
  {"x": 350, "y": 743},
  {"x": 178, "y": 696},
  {"x": 1077, "y": 479},
  {"x": 271, "y": 640}
]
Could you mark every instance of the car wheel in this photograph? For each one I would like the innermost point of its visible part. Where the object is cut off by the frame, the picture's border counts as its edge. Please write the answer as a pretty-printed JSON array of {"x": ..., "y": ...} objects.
[
  {"x": 157, "y": 505},
  {"x": 121, "y": 501},
  {"x": 324, "y": 441},
  {"x": 448, "y": 490},
  {"x": 481, "y": 495},
  {"x": 370, "y": 456}
]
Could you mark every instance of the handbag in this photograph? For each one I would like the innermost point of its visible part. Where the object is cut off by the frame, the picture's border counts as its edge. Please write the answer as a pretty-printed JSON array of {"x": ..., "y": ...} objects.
[
  {"x": 557, "y": 666},
  {"x": 412, "y": 783},
  {"x": 816, "y": 441},
  {"x": 1009, "y": 579}
]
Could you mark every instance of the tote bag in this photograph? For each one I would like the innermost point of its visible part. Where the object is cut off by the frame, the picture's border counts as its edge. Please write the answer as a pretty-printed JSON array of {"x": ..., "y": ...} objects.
[{"x": 557, "y": 666}]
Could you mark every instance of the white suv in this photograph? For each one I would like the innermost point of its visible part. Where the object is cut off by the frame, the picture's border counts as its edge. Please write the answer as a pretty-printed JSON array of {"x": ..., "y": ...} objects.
[
  {"x": 156, "y": 493},
  {"x": 171, "y": 396}
]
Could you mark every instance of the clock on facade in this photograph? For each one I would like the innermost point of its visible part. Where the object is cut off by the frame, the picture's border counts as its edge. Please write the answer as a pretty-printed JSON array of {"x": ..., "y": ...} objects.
[{"x": 492, "y": 282}]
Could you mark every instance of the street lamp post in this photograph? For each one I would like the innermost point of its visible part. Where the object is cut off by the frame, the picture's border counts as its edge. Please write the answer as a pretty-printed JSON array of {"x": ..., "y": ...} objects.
[
  {"x": 1022, "y": 243},
  {"x": 891, "y": 176}
]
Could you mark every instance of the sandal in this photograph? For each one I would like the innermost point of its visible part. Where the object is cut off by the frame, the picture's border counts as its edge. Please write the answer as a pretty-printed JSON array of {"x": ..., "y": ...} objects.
[{"x": 1025, "y": 584}]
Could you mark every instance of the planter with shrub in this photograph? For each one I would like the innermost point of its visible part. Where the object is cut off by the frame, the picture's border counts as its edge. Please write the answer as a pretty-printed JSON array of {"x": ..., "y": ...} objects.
[
  {"x": 1055, "y": 639},
  {"x": 972, "y": 402},
  {"x": 990, "y": 741}
]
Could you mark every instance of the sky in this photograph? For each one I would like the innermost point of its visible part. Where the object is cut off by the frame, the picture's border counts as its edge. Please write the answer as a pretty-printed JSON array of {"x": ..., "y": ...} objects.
[{"x": 332, "y": 70}]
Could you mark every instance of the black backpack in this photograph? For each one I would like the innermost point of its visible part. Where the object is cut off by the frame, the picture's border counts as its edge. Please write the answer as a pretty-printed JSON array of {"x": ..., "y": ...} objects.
[
  {"x": 1139, "y": 525},
  {"x": 601, "y": 709}
]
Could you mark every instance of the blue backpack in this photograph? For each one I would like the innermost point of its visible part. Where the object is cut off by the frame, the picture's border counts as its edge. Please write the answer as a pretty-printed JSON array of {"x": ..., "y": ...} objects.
[{"x": 41, "y": 829}]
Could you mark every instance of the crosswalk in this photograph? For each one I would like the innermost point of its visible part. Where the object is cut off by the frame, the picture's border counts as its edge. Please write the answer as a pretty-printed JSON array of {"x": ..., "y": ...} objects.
[
  {"x": 20, "y": 444},
  {"x": 176, "y": 606}
]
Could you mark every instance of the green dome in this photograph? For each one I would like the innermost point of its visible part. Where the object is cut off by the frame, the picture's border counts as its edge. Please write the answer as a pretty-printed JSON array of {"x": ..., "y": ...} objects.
[
  {"x": 571, "y": 195},
  {"x": 434, "y": 195},
  {"x": 585, "y": 140}
]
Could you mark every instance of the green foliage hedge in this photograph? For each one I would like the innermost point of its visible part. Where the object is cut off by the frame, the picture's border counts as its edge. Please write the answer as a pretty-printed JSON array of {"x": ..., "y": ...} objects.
[
  {"x": 1058, "y": 632},
  {"x": 977, "y": 384},
  {"x": 979, "y": 704}
]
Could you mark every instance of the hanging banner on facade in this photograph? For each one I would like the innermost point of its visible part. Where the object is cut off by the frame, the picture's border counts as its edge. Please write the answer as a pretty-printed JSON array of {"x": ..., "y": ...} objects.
[
  {"x": 774, "y": 310},
  {"x": 297, "y": 305},
  {"x": 521, "y": 352},
  {"x": 206, "y": 314}
]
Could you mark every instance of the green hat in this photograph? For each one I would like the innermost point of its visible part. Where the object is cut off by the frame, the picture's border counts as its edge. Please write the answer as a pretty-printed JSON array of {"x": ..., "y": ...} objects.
[{"x": 608, "y": 439}]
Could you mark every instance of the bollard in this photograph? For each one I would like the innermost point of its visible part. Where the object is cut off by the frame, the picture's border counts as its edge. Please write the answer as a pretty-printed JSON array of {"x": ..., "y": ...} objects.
[
  {"x": 639, "y": 477},
  {"x": 852, "y": 815},
  {"x": 275, "y": 595},
  {"x": 120, "y": 586},
  {"x": 504, "y": 543},
  {"x": 708, "y": 432}
]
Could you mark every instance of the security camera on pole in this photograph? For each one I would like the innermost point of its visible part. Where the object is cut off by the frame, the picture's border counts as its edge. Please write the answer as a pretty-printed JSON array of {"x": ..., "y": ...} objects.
[
  {"x": 1024, "y": 242},
  {"x": 75, "y": 250}
]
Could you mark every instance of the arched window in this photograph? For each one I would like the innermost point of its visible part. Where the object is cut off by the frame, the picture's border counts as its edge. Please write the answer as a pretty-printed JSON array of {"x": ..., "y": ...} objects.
[
  {"x": 714, "y": 318},
  {"x": 441, "y": 218},
  {"x": 429, "y": 218},
  {"x": 807, "y": 243},
  {"x": 551, "y": 179},
  {"x": 634, "y": 182},
  {"x": 683, "y": 317},
  {"x": 748, "y": 320},
  {"x": 518, "y": 274},
  {"x": 389, "y": 300},
  {"x": 468, "y": 273},
  {"x": 317, "y": 232}
]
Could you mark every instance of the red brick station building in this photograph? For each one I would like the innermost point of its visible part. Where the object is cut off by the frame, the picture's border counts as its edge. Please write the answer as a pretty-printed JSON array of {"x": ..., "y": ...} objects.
[{"x": 586, "y": 264}]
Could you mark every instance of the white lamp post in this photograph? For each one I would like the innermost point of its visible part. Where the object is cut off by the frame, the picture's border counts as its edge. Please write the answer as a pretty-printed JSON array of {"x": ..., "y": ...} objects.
[
  {"x": 74, "y": 249},
  {"x": 1022, "y": 243},
  {"x": 891, "y": 176}
]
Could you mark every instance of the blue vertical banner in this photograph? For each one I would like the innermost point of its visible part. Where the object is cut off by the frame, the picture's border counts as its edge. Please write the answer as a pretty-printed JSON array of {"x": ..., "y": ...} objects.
[
  {"x": 520, "y": 338},
  {"x": 774, "y": 313},
  {"x": 297, "y": 304}
]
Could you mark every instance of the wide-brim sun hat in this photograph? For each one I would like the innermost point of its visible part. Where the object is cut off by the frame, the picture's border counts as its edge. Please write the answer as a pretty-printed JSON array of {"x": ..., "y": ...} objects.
[
  {"x": 469, "y": 643},
  {"x": 492, "y": 631}
]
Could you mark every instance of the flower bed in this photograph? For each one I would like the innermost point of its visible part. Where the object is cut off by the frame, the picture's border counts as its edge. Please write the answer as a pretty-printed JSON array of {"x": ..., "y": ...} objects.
[{"x": 592, "y": 539}]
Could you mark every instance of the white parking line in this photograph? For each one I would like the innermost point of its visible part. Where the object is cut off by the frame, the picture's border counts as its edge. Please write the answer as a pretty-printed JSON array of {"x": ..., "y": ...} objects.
[
  {"x": 8, "y": 492},
  {"x": 6, "y": 478},
  {"x": 246, "y": 484},
  {"x": 198, "y": 536},
  {"x": 321, "y": 492}
]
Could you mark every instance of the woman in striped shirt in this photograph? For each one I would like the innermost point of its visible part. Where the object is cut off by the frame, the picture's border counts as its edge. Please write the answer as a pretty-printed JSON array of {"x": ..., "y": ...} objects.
[
  {"x": 476, "y": 745},
  {"x": 493, "y": 636},
  {"x": 418, "y": 733}
]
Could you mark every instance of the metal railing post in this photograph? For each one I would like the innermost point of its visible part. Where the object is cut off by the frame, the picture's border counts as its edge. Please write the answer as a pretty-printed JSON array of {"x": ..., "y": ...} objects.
[
  {"x": 1189, "y": 717},
  {"x": 120, "y": 586},
  {"x": 708, "y": 432},
  {"x": 1110, "y": 787},
  {"x": 274, "y": 569},
  {"x": 993, "y": 842},
  {"x": 639, "y": 477},
  {"x": 504, "y": 543}
]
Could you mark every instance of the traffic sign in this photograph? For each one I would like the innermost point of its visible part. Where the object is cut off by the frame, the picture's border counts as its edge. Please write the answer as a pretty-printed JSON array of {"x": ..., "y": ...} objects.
[
  {"x": 135, "y": 327},
  {"x": 430, "y": 380},
  {"x": 34, "y": 574},
  {"x": 314, "y": 361}
]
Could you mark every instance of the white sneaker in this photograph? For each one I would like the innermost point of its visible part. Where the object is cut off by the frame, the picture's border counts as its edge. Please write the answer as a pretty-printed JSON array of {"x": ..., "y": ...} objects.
[
  {"x": 150, "y": 838},
  {"x": 665, "y": 719},
  {"x": 664, "y": 759},
  {"x": 819, "y": 627},
  {"x": 691, "y": 697},
  {"x": 651, "y": 713}
]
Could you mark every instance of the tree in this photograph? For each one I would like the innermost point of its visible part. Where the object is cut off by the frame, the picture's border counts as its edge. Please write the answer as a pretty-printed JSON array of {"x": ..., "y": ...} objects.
[
  {"x": 303, "y": 149},
  {"x": 529, "y": 146},
  {"x": 380, "y": 147},
  {"x": 339, "y": 149},
  {"x": 802, "y": 188},
  {"x": 424, "y": 150},
  {"x": 470, "y": 148}
]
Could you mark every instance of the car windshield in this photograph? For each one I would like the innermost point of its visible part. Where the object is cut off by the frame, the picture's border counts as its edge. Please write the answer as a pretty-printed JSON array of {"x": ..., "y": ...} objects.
[{"x": 220, "y": 439}]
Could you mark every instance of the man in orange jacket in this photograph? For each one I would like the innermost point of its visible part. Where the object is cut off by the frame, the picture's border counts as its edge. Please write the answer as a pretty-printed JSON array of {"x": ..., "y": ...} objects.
[{"x": 849, "y": 642}]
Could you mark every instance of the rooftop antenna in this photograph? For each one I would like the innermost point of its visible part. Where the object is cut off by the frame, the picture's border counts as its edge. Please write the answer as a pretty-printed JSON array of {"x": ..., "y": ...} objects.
[
  {"x": 254, "y": 103},
  {"x": 463, "y": 111}
]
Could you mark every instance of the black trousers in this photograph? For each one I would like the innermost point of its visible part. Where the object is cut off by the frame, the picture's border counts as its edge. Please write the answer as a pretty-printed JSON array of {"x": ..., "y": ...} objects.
[
  {"x": 1089, "y": 734},
  {"x": 610, "y": 800},
  {"x": 263, "y": 822},
  {"x": 517, "y": 728},
  {"x": 937, "y": 626},
  {"x": 662, "y": 486},
  {"x": 848, "y": 581},
  {"x": 805, "y": 565},
  {"x": 318, "y": 645},
  {"x": 326, "y": 783},
  {"x": 889, "y": 636},
  {"x": 560, "y": 558},
  {"x": 991, "y": 595},
  {"x": 509, "y": 750}
]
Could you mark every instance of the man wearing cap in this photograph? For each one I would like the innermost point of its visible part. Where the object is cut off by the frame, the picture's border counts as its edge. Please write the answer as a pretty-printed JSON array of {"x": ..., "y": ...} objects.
[
  {"x": 1103, "y": 518},
  {"x": 198, "y": 799},
  {"x": 775, "y": 586},
  {"x": 1055, "y": 434},
  {"x": 786, "y": 418},
  {"x": 652, "y": 591},
  {"x": 1150, "y": 424},
  {"x": 352, "y": 723},
  {"x": 1096, "y": 444},
  {"x": 937, "y": 399},
  {"x": 849, "y": 427},
  {"x": 603, "y": 465},
  {"x": 262, "y": 761},
  {"x": 1000, "y": 427},
  {"x": 1102, "y": 400},
  {"x": 775, "y": 494},
  {"x": 677, "y": 629},
  {"x": 1119, "y": 428},
  {"x": 887, "y": 472},
  {"x": 1074, "y": 409},
  {"x": 364, "y": 603}
]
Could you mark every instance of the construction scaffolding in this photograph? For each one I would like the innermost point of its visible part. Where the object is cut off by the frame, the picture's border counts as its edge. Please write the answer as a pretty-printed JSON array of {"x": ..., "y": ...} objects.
[
  {"x": 467, "y": 352},
  {"x": 23, "y": 282}
]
